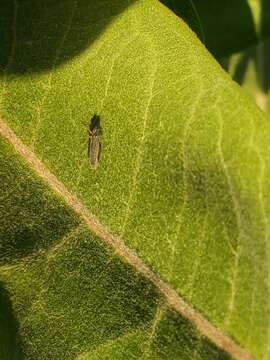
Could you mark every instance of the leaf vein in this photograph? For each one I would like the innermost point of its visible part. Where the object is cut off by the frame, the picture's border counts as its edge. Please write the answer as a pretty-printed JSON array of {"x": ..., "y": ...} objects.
[
  {"x": 173, "y": 299},
  {"x": 180, "y": 216},
  {"x": 141, "y": 146},
  {"x": 40, "y": 104},
  {"x": 237, "y": 212}
]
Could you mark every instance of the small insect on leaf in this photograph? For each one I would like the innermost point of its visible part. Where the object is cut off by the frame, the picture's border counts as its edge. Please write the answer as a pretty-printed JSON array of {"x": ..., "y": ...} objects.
[{"x": 94, "y": 141}]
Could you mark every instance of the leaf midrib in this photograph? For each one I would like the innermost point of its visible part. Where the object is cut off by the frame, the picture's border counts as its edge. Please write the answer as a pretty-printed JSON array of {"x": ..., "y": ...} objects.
[{"x": 173, "y": 299}]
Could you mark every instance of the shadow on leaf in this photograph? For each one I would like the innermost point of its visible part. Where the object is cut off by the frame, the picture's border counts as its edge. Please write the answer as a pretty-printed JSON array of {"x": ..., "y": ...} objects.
[
  {"x": 187, "y": 11},
  {"x": 10, "y": 342},
  {"x": 40, "y": 35},
  {"x": 176, "y": 338},
  {"x": 32, "y": 218}
]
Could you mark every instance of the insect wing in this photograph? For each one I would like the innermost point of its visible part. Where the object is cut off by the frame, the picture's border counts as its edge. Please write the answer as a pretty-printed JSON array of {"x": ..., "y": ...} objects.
[{"x": 94, "y": 148}]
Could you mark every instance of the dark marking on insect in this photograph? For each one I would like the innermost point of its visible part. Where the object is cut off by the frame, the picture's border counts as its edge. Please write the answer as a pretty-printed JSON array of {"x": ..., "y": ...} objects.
[{"x": 94, "y": 141}]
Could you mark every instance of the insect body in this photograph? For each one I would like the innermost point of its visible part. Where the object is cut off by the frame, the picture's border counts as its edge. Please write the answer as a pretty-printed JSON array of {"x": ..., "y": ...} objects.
[{"x": 94, "y": 142}]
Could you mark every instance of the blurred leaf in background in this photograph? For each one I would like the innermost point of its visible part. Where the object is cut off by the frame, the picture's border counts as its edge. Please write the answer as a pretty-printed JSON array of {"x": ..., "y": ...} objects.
[
  {"x": 236, "y": 32},
  {"x": 251, "y": 67}
]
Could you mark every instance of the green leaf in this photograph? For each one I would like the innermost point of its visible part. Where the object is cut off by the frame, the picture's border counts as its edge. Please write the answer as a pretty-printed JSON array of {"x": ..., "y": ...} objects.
[
  {"x": 188, "y": 12},
  {"x": 226, "y": 26},
  {"x": 66, "y": 295},
  {"x": 163, "y": 251}
]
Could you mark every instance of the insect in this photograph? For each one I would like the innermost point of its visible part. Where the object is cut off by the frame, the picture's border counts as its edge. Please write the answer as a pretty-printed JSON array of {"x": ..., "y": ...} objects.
[{"x": 94, "y": 141}]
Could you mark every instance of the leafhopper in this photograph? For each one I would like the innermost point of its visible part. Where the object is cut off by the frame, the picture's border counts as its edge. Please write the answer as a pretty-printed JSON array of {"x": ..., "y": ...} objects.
[{"x": 94, "y": 141}]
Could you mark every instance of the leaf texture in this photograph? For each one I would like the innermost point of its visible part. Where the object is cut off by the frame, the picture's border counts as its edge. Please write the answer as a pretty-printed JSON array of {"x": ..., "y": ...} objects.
[{"x": 183, "y": 180}]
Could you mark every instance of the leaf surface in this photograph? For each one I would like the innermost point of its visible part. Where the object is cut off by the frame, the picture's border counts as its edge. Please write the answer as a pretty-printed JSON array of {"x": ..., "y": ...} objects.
[{"x": 183, "y": 180}]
